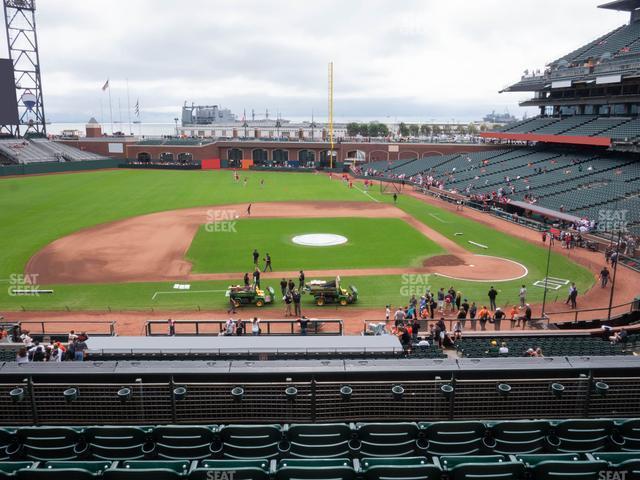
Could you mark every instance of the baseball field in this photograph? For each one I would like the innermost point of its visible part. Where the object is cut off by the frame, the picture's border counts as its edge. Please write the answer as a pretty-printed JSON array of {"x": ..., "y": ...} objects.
[{"x": 122, "y": 240}]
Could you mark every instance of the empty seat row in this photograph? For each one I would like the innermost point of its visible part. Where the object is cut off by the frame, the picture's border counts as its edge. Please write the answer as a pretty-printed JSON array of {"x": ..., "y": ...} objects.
[
  {"x": 512, "y": 467},
  {"x": 317, "y": 441}
]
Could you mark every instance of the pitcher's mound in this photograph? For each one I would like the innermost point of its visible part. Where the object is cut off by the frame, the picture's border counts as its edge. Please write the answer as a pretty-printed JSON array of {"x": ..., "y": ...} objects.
[{"x": 443, "y": 261}]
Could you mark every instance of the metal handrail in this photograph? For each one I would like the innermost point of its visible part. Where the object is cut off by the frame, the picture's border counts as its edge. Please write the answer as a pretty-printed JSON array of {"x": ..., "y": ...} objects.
[
  {"x": 315, "y": 326},
  {"x": 81, "y": 326}
]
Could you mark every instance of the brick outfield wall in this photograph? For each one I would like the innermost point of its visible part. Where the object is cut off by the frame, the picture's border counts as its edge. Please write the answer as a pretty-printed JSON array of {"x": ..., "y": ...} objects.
[{"x": 373, "y": 151}]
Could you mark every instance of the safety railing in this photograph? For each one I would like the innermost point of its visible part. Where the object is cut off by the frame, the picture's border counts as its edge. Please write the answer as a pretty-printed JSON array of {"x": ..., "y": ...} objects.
[
  {"x": 267, "y": 327},
  {"x": 62, "y": 327}
]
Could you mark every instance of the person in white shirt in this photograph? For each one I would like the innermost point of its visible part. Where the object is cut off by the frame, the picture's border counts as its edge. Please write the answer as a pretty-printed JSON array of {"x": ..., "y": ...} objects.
[
  {"x": 255, "y": 326},
  {"x": 503, "y": 350}
]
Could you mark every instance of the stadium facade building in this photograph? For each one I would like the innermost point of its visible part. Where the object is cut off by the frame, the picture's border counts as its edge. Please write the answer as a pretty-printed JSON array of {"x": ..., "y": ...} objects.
[{"x": 590, "y": 96}]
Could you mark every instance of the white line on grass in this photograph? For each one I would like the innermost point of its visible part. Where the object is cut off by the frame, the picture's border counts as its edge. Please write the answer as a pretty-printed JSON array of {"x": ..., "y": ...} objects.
[
  {"x": 187, "y": 291},
  {"x": 434, "y": 215},
  {"x": 367, "y": 194}
]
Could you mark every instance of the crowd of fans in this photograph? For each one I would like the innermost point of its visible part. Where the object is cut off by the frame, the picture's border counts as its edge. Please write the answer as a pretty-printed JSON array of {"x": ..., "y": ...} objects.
[{"x": 48, "y": 350}]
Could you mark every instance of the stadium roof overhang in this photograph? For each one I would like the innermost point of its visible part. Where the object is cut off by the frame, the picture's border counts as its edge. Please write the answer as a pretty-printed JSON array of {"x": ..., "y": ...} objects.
[
  {"x": 605, "y": 100},
  {"x": 622, "y": 5},
  {"x": 536, "y": 137}
]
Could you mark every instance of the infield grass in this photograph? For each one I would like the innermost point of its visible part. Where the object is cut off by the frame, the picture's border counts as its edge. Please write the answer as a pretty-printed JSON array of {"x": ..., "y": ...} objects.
[{"x": 372, "y": 243}]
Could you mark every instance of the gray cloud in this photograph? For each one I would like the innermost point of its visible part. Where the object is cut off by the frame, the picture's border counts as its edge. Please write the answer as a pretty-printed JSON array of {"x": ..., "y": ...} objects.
[{"x": 424, "y": 58}]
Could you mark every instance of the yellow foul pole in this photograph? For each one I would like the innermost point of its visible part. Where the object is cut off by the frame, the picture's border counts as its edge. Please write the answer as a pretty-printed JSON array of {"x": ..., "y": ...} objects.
[{"x": 331, "y": 113}]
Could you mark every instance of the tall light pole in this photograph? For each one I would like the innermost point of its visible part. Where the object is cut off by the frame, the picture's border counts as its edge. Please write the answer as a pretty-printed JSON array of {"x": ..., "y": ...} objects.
[
  {"x": 331, "y": 114},
  {"x": 176, "y": 120}
]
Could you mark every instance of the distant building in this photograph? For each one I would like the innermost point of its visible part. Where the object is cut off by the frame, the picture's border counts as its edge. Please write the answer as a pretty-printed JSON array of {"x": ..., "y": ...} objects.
[{"x": 494, "y": 117}]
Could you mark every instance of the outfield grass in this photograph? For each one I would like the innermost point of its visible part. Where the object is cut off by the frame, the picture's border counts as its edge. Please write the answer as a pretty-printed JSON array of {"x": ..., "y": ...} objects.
[
  {"x": 372, "y": 242},
  {"x": 37, "y": 210}
]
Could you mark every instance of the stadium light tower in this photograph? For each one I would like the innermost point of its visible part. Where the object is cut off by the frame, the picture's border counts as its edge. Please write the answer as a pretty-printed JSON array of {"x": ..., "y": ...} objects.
[{"x": 22, "y": 42}]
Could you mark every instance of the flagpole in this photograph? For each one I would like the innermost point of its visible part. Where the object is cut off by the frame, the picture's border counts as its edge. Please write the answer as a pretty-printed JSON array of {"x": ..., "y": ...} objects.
[
  {"x": 129, "y": 107},
  {"x": 110, "y": 107},
  {"x": 101, "y": 112}
]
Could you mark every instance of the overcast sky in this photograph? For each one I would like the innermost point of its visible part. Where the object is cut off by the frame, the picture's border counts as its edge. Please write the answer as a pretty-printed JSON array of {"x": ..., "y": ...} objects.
[{"x": 425, "y": 59}]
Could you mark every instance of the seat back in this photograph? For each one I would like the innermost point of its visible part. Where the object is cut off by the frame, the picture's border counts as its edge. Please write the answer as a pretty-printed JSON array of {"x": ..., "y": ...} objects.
[
  {"x": 250, "y": 441},
  {"x": 494, "y": 471},
  {"x": 386, "y": 440},
  {"x": 575, "y": 470},
  {"x": 319, "y": 441},
  {"x": 144, "y": 470},
  {"x": 315, "y": 469},
  {"x": 627, "y": 435},
  {"x": 8, "y": 469},
  {"x": 48, "y": 443},
  {"x": 242, "y": 470},
  {"x": 581, "y": 436},
  {"x": 517, "y": 437},
  {"x": 7, "y": 439},
  {"x": 184, "y": 442},
  {"x": 454, "y": 438},
  {"x": 118, "y": 443},
  {"x": 399, "y": 468}
]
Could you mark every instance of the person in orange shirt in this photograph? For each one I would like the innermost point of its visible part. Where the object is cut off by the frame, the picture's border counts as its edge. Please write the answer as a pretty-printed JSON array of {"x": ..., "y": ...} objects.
[
  {"x": 484, "y": 316},
  {"x": 513, "y": 314}
]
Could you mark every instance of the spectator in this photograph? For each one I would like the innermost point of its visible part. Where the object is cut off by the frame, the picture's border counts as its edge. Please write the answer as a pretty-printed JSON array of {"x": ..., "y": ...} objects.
[
  {"x": 484, "y": 316},
  {"x": 493, "y": 293},
  {"x": 527, "y": 315},
  {"x": 255, "y": 326},
  {"x": 304, "y": 323},
  {"x": 172, "y": 327},
  {"x": 523, "y": 295},
  {"x": 415, "y": 328},
  {"x": 240, "y": 328},
  {"x": 22, "y": 356},
  {"x": 295, "y": 295},
  {"x": 604, "y": 277},
  {"x": 37, "y": 352},
  {"x": 283, "y": 287},
  {"x": 497, "y": 318},
  {"x": 457, "y": 331},
  {"x": 80, "y": 347},
  {"x": 301, "y": 280},
  {"x": 288, "y": 300},
  {"x": 230, "y": 327},
  {"x": 619, "y": 337},
  {"x": 503, "y": 350},
  {"x": 399, "y": 317}
]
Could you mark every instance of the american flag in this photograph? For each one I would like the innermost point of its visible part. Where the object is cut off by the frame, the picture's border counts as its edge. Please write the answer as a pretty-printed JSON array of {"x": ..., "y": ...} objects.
[{"x": 136, "y": 109}]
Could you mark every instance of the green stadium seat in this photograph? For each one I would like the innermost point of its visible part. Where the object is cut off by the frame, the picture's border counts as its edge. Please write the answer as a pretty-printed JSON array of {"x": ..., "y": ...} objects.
[
  {"x": 7, "y": 439},
  {"x": 627, "y": 462},
  {"x": 627, "y": 435},
  {"x": 9, "y": 469},
  {"x": 49, "y": 443},
  {"x": 118, "y": 443},
  {"x": 148, "y": 470},
  {"x": 82, "y": 470},
  {"x": 513, "y": 437},
  {"x": 448, "y": 463},
  {"x": 315, "y": 469},
  {"x": 319, "y": 441},
  {"x": 453, "y": 438},
  {"x": 401, "y": 468},
  {"x": 493, "y": 471},
  {"x": 242, "y": 470},
  {"x": 250, "y": 441},
  {"x": 184, "y": 442},
  {"x": 574, "y": 470},
  {"x": 387, "y": 440},
  {"x": 580, "y": 436}
]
